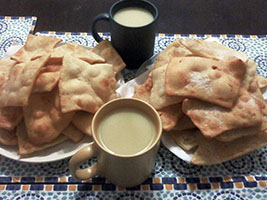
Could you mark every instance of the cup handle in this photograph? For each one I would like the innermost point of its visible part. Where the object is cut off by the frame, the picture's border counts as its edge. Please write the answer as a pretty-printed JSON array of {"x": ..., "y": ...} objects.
[
  {"x": 80, "y": 157},
  {"x": 102, "y": 16}
]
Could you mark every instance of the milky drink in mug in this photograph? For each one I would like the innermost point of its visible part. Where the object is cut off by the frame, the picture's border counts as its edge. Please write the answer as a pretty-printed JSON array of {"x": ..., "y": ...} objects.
[
  {"x": 126, "y": 134},
  {"x": 126, "y": 131},
  {"x": 133, "y": 17}
]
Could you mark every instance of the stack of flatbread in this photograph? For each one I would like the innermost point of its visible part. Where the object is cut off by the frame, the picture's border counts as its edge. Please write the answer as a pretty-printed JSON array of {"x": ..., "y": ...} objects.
[
  {"x": 49, "y": 91},
  {"x": 209, "y": 99}
]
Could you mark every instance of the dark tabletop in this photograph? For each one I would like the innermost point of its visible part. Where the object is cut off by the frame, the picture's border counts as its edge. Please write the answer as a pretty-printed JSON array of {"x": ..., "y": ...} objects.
[{"x": 175, "y": 16}]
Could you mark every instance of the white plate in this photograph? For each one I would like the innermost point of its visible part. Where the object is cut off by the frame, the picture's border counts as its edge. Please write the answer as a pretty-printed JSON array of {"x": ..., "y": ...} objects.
[{"x": 51, "y": 154}]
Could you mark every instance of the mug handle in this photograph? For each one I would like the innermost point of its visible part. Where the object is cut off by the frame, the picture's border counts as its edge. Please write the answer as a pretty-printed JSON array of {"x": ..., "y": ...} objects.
[
  {"x": 102, "y": 16},
  {"x": 80, "y": 157}
]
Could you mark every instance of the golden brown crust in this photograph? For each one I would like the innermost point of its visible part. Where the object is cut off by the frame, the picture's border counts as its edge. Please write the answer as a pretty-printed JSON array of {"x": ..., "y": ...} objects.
[
  {"x": 10, "y": 117},
  {"x": 262, "y": 81},
  {"x": 212, "y": 120},
  {"x": 231, "y": 135},
  {"x": 73, "y": 133},
  {"x": 170, "y": 115},
  {"x": 111, "y": 56},
  {"x": 83, "y": 86},
  {"x": 35, "y": 46},
  {"x": 184, "y": 123},
  {"x": 16, "y": 91},
  {"x": 8, "y": 138},
  {"x": 77, "y": 51},
  {"x": 143, "y": 91},
  {"x": 43, "y": 117},
  {"x": 158, "y": 97},
  {"x": 206, "y": 79},
  {"x": 83, "y": 120},
  {"x": 25, "y": 145}
]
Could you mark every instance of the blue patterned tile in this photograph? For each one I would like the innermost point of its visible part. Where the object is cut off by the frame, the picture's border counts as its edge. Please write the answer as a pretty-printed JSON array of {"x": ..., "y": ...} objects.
[
  {"x": 51, "y": 180},
  {"x": 156, "y": 187},
  {"x": 192, "y": 180},
  {"x": 250, "y": 184},
  {"x": 134, "y": 188},
  {"x": 84, "y": 187},
  {"x": 180, "y": 186},
  {"x": 5, "y": 179},
  {"x": 35, "y": 187},
  {"x": 108, "y": 187},
  {"x": 238, "y": 179},
  {"x": 167, "y": 180},
  {"x": 27, "y": 179},
  {"x": 14, "y": 30},
  {"x": 263, "y": 178},
  {"x": 203, "y": 186},
  {"x": 60, "y": 187},
  {"x": 13, "y": 187},
  {"x": 215, "y": 179},
  {"x": 226, "y": 185}
]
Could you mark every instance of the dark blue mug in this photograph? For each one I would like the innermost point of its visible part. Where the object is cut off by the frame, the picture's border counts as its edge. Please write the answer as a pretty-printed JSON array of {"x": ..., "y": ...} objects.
[{"x": 134, "y": 44}]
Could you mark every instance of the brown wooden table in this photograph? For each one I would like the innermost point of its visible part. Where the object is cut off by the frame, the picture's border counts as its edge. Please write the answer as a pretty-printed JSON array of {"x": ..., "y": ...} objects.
[{"x": 175, "y": 16}]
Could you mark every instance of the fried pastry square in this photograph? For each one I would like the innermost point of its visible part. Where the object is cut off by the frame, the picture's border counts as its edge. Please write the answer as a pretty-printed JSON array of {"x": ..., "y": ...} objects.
[
  {"x": 143, "y": 91},
  {"x": 251, "y": 68},
  {"x": 215, "y": 50},
  {"x": 10, "y": 117},
  {"x": 212, "y": 49},
  {"x": 111, "y": 56},
  {"x": 73, "y": 133},
  {"x": 175, "y": 49},
  {"x": 5, "y": 67},
  {"x": 8, "y": 138},
  {"x": 35, "y": 46},
  {"x": 234, "y": 134},
  {"x": 206, "y": 79},
  {"x": 83, "y": 86},
  {"x": 212, "y": 120},
  {"x": 262, "y": 81},
  {"x": 184, "y": 123},
  {"x": 158, "y": 97},
  {"x": 255, "y": 92},
  {"x": 170, "y": 115},
  {"x": 43, "y": 117},
  {"x": 83, "y": 121},
  {"x": 27, "y": 147},
  {"x": 48, "y": 78},
  {"x": 76, "y": 51},
  {"x": 16, "y": 91}
]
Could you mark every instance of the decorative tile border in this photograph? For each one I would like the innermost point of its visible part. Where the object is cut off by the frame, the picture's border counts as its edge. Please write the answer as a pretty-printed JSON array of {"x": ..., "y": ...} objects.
[
  {"x": 94, "y": 192},
  {"x": 155, "y": 183},
  {"x": 159, "y": 34}
]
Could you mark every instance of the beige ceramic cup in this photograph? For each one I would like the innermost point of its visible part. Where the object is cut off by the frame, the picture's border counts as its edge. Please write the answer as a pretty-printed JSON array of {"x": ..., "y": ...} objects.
[{"x": 121, "y": 170}]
